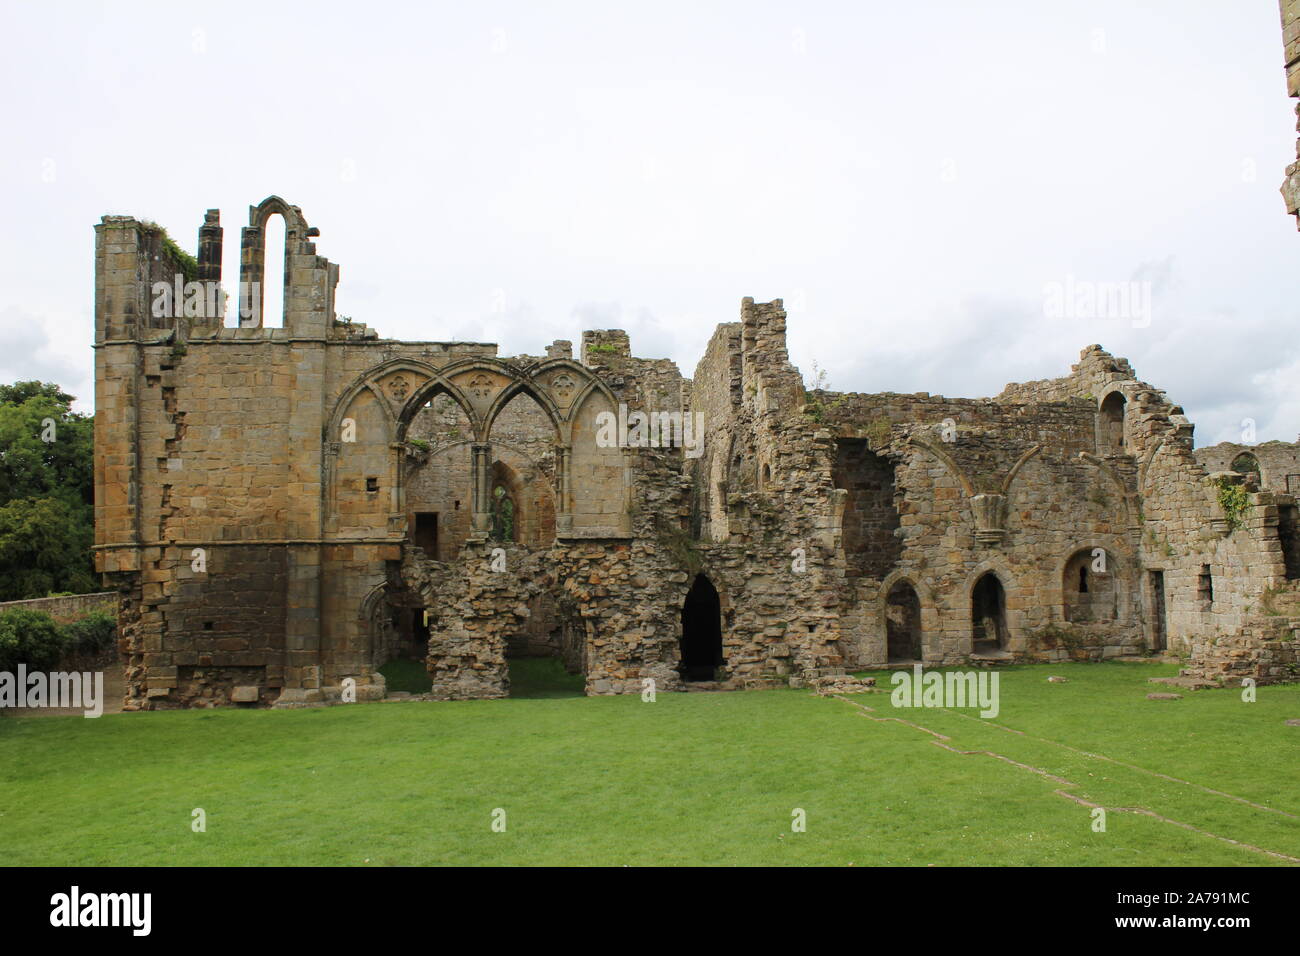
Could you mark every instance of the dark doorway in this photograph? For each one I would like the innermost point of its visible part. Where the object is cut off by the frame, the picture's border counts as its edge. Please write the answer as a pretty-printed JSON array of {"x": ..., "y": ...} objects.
[
  {"x": 1159, "y": 627},
  {"x": 701, "y": 631},
  {"x": 426, "y": 533},
  {"x": 903, "y": 623},
  {"x": 1288, "y": 532},
  {"x": 989, "y": 614}
]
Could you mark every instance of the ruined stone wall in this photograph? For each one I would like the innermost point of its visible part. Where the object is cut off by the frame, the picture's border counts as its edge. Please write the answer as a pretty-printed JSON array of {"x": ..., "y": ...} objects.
[
  {"x": 1291, "y": 58},
  {"x": 67, "y": 607},
  {"x": 1215, "y": 548},
  {"x": 1278, "y": 462},
  {"x": 259, "y": 493}
]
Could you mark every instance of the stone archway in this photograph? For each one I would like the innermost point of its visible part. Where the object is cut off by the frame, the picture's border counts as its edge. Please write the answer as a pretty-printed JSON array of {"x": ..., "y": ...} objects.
[
  {"x": 701, "y": 640},
  {"x": 988, "y": 615},
  {"x": 903, "y": 632}
]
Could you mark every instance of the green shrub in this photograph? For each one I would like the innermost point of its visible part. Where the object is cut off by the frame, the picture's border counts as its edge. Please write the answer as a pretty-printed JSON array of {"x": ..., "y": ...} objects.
[
  {"x": 31, "y": 638},
  {"x": 90, "y": 635}
]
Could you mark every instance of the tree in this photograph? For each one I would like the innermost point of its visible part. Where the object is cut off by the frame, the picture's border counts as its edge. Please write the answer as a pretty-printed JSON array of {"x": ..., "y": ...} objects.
[
  {"x": 47, "y": 492},
  {"x": 31, "y": 638}
]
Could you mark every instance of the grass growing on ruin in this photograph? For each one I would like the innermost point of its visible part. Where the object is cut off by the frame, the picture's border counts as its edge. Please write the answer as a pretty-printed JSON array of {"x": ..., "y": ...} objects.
[
  {"x": 692, "y": 778},
  {"x": 543, "y": 677},
  {"x": 411, "y": 677}
]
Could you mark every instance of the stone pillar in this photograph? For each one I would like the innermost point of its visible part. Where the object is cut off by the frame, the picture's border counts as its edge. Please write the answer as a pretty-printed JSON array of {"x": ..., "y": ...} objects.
[
  {"x": 482, "y": 466},
  {"x": 210, "y": 240},
  {"x": 252, "y": 270},
  {"x": 563, "y": 507}
]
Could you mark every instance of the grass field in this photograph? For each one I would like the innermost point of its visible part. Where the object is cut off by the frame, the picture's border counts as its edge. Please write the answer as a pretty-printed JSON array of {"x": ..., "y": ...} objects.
[{"x": 703, "y": 778}]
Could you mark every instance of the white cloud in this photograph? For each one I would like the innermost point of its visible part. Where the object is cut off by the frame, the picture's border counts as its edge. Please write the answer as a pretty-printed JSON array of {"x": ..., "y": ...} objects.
[{"x": 911, "y": 175}]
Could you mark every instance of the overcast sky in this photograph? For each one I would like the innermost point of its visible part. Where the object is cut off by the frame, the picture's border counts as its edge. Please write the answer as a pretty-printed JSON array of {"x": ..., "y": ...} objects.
[{"x": 913, "y": 179}]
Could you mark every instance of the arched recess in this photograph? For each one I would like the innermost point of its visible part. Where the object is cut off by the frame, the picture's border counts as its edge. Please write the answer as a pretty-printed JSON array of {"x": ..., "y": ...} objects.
[
  {"x": 437, "y": 479},
  {"x": 1129, "y": 501},
  {"x": 1111, "y": 415},
  {"x": 1093, "y": 587},
  {"x": 593, "y": 478},
  {"x": 594, "y": 474},
  {"x": 931, "y": 645},
  {"x": 360, "y": 488},
  {"x": 369, "y": 422},
  {"x": 903, "y": 635},
  {"x": 1006, "y": 634}
]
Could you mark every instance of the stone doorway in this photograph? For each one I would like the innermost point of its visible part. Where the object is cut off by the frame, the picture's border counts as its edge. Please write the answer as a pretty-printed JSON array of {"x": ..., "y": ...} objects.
[
  {"x": 701, "y": 631},
  {"x": 989, "y": 615},
  {"x": 903, "y": 624}
]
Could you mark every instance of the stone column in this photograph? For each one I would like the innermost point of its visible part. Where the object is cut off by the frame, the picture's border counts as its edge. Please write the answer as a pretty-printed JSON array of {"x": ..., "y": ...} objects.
[
  {"x": 563, "y": 508},
  {"x": 252, "y": 269},
  {"x": 482, "y": 466}
]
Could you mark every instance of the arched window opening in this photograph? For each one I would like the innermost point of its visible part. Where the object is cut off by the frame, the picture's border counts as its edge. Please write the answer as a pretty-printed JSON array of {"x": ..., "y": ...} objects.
[
  {"x": 274, "y": 267},
  {"x": 1248, "y": 465},
  {"x": 1110, "y": 425},
  {"x": 503, "y": 514}
]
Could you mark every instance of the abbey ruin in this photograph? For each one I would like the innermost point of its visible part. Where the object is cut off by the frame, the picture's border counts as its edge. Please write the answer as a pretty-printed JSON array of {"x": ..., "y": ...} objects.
[{"x": 286, "y": 505}]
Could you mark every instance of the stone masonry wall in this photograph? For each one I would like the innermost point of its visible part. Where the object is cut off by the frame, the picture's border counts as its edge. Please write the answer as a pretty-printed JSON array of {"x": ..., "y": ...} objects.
[{"x": 258, "y": 493}]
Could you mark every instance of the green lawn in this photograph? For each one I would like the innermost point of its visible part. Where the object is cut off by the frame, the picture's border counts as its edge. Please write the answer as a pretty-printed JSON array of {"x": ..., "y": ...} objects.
[{"x": 691, "y": 778}]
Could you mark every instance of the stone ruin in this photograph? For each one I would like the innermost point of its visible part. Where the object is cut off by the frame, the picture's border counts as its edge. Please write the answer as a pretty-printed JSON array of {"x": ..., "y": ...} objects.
[{"x": 284, "y": 507}]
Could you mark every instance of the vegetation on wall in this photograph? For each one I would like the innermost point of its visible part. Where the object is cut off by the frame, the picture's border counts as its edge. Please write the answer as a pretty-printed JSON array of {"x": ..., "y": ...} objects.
[
  {"x": 189, "y": 266},
  {"x": 679, "y": 543},
  {"x": 1234, "y": 500}
]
